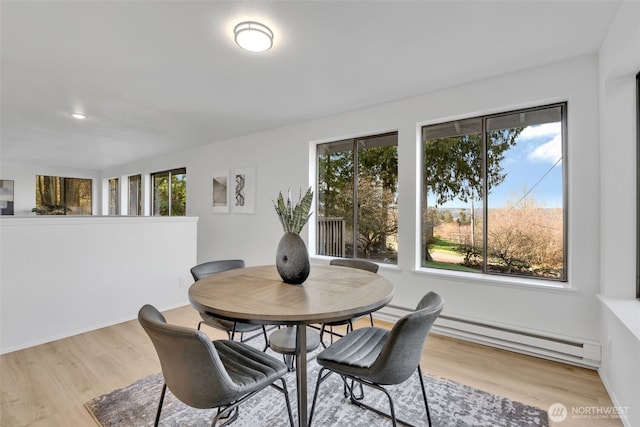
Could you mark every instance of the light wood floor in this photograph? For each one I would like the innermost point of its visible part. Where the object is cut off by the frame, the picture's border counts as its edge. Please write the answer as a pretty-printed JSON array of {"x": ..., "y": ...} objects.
[{"x": 47, "y": 385}]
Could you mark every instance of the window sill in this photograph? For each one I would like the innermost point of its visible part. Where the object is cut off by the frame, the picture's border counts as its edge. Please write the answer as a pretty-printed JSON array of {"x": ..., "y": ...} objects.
[
  {"x": 626, "y": 310},
  {"x": 500, "y": 281},
  {"x": 90, "y": 219}
]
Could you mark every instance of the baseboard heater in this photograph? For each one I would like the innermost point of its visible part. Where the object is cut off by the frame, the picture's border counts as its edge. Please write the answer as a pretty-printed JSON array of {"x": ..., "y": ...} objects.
[{"x": 576, "y": 352}]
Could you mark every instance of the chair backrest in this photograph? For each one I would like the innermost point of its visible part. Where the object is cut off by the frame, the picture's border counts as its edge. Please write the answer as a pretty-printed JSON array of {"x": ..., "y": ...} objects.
[
  {"x": 355, "y": 263},
  {"x": 402, "y": 351},
  {"x": 190, "y": 363},
  {"x": 208, "y": 268}
]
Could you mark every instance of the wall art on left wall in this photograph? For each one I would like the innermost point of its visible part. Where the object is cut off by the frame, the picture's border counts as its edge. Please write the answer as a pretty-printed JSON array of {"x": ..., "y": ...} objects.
[
  {"x": 6, "y": 197},
  {"x": 220, "y": 192}
]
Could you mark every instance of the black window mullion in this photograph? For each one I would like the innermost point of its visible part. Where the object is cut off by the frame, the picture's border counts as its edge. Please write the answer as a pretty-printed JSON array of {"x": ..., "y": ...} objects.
[
  {"x": 356, "y": 204},
  {"x": 638, "y": 186},
  {"x": 485, "y": 198},
  {"x": 169, "y": 188}
]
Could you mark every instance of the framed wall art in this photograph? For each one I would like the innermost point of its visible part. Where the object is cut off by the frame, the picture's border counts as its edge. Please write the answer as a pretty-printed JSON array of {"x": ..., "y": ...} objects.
[
  {"x": 220, "y": 192},
  {"x": 6, "y": 197},
  {"x": 244, "y": 194}
]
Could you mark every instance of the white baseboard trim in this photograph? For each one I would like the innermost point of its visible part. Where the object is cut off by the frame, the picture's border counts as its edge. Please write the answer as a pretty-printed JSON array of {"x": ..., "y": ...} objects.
[
  {"x": 623, "y": 414},
  {"x": 573, "y": 351},
  {"x": 78, "y": 331}
]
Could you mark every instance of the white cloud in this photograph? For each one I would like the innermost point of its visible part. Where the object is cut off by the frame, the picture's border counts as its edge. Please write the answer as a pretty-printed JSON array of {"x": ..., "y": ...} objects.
[
  {"x": 545, "y": 140},
  {"x": 537, "y": 131},
  {"x": 549, "y": 151}
]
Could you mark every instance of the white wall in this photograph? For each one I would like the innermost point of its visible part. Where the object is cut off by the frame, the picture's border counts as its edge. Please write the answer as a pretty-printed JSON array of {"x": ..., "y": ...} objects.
[
  {"x": 282, "y": 160},
  {"x": 24, "y": 177},
  {"x": 62, "y": 276},
  {"x": 619, "y": 311}
]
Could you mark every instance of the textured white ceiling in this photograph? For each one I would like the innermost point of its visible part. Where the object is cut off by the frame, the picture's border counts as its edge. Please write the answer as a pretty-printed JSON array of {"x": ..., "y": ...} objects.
[{"x": 159, "y": 76}]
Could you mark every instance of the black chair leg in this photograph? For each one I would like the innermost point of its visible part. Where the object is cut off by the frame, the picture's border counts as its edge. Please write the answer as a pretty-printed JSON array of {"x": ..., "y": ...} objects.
[
  {"x": 315, "y": 394},
  {"x": 424, "y": 395},
  {"x": 164, "y": 389},
  {"x": 284, "y": 391},
  {"x": 349, "y": 390},
  {"x": 266, "y": 338},
  {"x": 228, "y": 418},
  {"x": 289, "y": 360},
  {"x": 392, "y": 415},
  {"x": 356, "y": 400},
  {"x": 353, "y": 387},
  {"x": 230, "y": 412},
  {"x": 227, "y": 414},
  {"x": 322, "y": 336}
]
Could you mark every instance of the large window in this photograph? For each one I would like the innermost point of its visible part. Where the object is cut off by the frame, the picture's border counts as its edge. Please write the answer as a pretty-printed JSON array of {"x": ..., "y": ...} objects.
[
  {"x": 56, "y": 195},
  {"x": 494, "y": 195},
  {"x": 114, "y": 196},
  {"x": 135, "y": 195},
  {"x": 357, "y": 198},
  {"x": 170, "y": 192}
]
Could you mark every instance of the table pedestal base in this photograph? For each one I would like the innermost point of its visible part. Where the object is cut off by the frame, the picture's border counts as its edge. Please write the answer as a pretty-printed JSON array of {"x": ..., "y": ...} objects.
[
  {"x": 301, "y": 374},
  {"x": 283, "y": 341}
]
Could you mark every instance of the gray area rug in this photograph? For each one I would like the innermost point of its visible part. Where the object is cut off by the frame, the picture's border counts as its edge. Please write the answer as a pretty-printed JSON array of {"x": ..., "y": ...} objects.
[{"x": 450, "y": 403}]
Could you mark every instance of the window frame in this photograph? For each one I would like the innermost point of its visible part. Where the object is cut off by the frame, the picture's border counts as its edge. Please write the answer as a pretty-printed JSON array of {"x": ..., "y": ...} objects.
[
  {"x": 170, "y": 173},
  {"x": 61, "y": 185},
  {"x": 139, "y": 195},
  {"x": 354, "y": 141},
  {"x": 493, "y": 276},
  {"x": 114, "y": 196}
]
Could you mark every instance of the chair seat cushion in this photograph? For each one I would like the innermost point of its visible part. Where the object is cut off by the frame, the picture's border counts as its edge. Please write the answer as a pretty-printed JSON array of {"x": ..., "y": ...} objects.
[
  {"x": 248, "y": 367},
  {"x": 227, "y": 325},
  {"x": 355, "y": 351}
]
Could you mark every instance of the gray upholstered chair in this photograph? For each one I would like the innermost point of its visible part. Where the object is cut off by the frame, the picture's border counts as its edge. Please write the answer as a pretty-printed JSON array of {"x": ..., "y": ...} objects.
[
  {"x": 375, "y": 357},
  {"x": 355, "y": 263},
  {"x": 203, "y": 270},
  {"x": 352, "y": 263},
  {"x": 204, "y": 374}
]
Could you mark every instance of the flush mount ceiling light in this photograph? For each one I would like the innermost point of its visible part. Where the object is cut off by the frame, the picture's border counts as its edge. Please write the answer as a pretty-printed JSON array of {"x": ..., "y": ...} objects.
[
  {"x": 77, "y": 115},
  {"x": 253, "y": 36}
]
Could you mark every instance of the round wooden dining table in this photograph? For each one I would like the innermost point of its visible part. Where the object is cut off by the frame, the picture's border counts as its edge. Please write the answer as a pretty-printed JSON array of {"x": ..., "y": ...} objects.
[{"x": 258, "y": 295}]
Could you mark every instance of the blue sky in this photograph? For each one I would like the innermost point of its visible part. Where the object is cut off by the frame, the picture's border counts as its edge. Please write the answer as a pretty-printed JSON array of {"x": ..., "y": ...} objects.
[{"x": 537, "y": 150}]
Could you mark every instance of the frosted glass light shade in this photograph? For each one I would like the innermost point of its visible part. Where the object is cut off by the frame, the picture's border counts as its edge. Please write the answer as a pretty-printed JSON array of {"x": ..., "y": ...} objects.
[{"x": 253, "y": 36}]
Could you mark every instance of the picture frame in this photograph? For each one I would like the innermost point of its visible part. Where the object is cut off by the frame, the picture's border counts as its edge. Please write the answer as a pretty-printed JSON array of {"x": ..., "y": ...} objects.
[
  {"x": 244, "y": 193},
  {"x": 6, "y": 196},
  {"x": 220, "y": 192}
]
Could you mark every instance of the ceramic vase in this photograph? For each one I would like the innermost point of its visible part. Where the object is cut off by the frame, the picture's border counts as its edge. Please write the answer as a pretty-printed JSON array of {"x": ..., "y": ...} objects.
[{"x": 292, "y": 259}]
